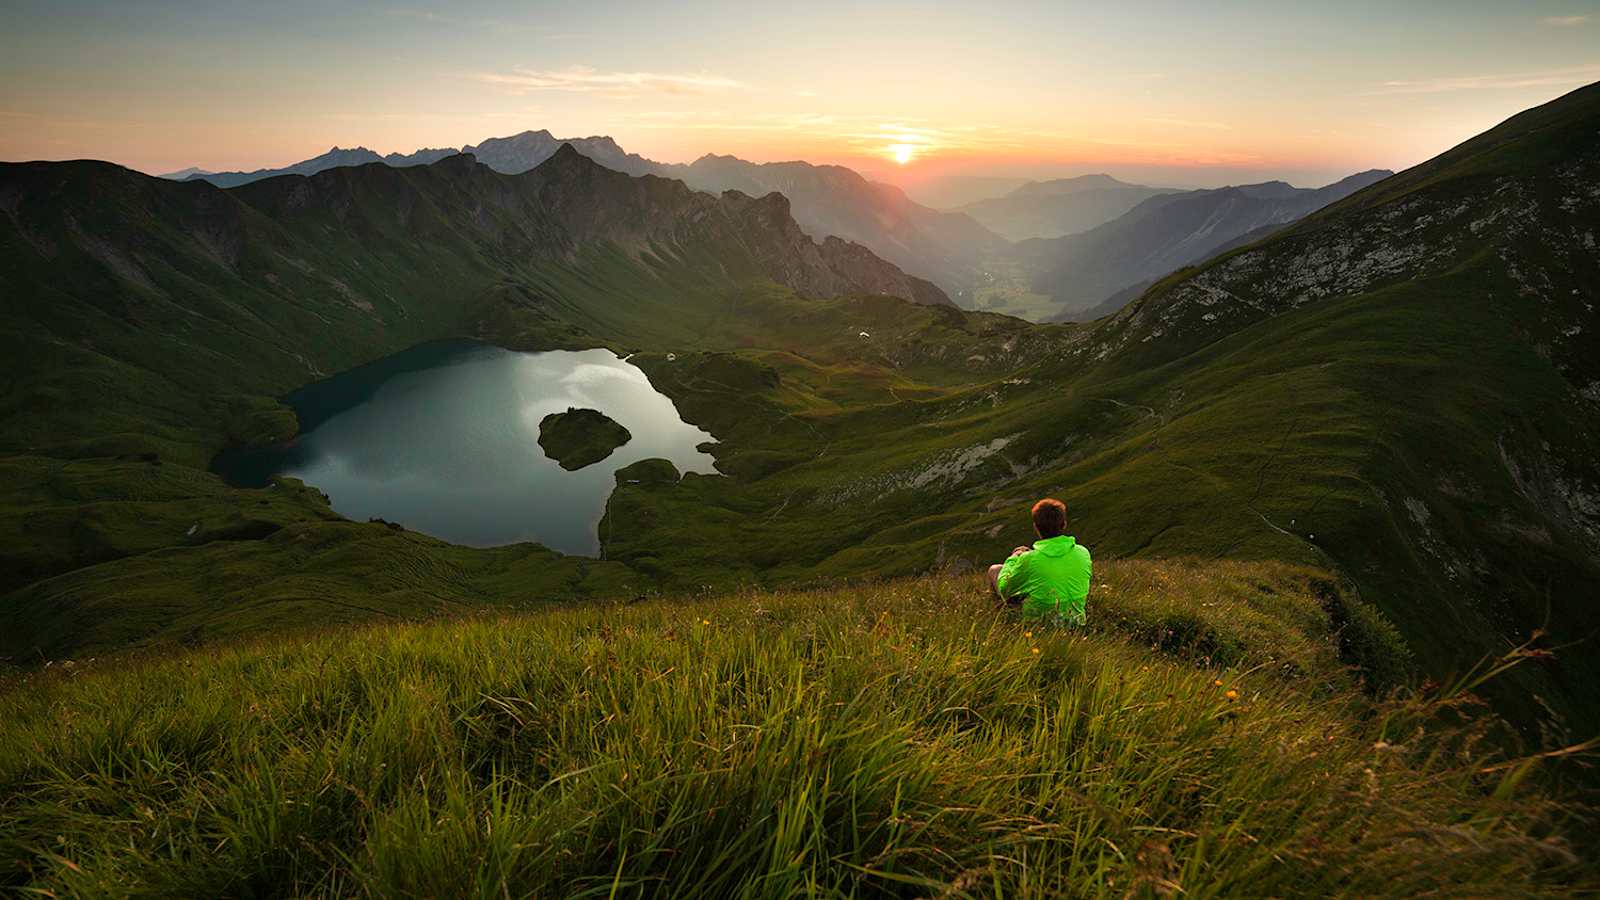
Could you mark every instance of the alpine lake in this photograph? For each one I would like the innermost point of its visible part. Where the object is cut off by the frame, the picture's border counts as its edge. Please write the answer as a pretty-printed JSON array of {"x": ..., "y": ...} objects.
[{"x": 443, "y": 438}]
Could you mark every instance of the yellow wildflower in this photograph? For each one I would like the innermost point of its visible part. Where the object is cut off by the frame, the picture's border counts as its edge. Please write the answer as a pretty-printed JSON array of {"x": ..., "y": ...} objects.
[
  {"x": 1218, "y": 682},
  {"x": 1232, "y": 694},
  {"x": 1036, "y": 650}
]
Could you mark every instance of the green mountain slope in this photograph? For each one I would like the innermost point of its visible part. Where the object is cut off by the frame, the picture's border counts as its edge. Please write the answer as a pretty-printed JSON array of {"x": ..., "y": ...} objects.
[
  {"x": 899, "y": 739},
  {"x": 1453, "y": 308}
]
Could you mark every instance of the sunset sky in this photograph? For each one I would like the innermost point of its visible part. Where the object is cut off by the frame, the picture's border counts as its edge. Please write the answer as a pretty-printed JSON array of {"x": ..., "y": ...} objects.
[{"x": 1181, "y": 93}]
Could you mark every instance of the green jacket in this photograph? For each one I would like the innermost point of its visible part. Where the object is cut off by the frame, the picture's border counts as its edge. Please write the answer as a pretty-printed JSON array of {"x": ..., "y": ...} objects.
[{"x": 1052, "y": 579}]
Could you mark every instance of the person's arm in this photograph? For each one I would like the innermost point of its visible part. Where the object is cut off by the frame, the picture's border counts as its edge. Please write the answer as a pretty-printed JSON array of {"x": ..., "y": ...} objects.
[{"x": 1010, "y": 573}]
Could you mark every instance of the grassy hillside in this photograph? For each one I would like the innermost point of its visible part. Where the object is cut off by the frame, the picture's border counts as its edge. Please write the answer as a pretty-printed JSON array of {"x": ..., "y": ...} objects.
[
  {"x": 1450, "y": 314},
  {"x": 900, "y": 739}
]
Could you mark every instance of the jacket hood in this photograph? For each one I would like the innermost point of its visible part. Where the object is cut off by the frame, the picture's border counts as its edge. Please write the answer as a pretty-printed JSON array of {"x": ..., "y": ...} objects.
[{"x": 1056, "y": 546}]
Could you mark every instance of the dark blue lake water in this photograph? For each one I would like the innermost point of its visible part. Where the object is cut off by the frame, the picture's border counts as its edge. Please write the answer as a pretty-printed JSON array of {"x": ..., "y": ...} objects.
[{"x": 444, "y": 439}]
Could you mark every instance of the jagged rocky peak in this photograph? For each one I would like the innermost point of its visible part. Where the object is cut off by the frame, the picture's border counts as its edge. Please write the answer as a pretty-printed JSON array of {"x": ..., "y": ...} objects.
[
  {"x": 569, "y": 159},
  {"x": 457, "y": 163},
  {"x": 526, "y": 136}
]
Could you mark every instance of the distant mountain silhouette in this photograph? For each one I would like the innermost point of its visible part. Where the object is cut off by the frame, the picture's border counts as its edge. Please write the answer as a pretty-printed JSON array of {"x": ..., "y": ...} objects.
[
  {"x": 509, "y": 155},
  {"x": 951, "y": 191},
  {"x": 183, "y": 174},
  {"x": 945, "y": 248},
  {"x": 1165, "y": 233},
  {"x": 1062, "y": 206},
  {"x": 521, "y": 152}
]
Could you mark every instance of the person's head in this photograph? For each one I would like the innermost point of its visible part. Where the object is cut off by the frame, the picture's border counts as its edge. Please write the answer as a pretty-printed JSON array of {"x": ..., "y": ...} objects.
[{"x": 1050, "y": 518}]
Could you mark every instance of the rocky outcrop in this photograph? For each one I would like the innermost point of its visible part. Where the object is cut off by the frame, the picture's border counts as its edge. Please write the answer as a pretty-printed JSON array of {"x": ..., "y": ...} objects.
[{"x": 595, "y": 203}]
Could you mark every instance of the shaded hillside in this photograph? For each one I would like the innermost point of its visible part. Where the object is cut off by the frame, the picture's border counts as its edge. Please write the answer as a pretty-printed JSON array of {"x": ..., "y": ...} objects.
[
  {"x": 1165, "y": 233},
  {"x": 1047, "y": 209}
]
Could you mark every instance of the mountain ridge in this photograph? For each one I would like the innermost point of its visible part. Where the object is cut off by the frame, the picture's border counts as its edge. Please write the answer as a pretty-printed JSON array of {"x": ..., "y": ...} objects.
[
  {"x": 1165, "y": 232},
  {"x": 1048, "y": 209},
  {"x": 826, "y": 200}
]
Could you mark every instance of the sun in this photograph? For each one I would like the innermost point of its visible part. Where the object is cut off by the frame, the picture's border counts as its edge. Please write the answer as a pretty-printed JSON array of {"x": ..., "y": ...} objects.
[{"x": 903, "y": 153}]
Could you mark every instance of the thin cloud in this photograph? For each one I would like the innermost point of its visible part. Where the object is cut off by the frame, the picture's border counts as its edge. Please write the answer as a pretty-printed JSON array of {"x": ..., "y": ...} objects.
[
  {"x": 865, "y": 132},
  {"x": 420, "y": 15},
  {"x": 1564, "y": 21},
  {"x": 805, "y": 93},
  {"x": 1572, "y": 75},
  {"x": 436, "y": 18},
  {"x": 1191, "y": 123},
  {"x": 585, "y": 80},
  {"x": 68, "y": 122}
]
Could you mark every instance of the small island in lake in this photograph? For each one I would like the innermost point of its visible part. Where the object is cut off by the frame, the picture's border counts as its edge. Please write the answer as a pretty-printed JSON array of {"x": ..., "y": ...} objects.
[{"x": 580, "y": 437}]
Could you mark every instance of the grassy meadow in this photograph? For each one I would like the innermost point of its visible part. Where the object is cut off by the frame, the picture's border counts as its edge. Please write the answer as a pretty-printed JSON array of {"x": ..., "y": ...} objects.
[{"x": 1202, "y": 737}]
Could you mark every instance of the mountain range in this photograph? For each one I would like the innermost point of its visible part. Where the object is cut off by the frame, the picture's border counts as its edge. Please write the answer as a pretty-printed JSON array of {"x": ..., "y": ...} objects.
[
  {"x": 508, "y": 155},
  {"x": 1047, "y": 209},
  {"x": 946, "y": 248},
  {"x": 951, "y": 191},
  {"x": 1163, "y": 233},
  {"x": 826, "y": 200},
  {"x": 960, "y": 250}
]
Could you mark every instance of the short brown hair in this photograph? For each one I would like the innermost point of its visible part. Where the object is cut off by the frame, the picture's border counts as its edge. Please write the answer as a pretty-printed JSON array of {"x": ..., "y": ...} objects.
[{"x": 1050, "y": 517}]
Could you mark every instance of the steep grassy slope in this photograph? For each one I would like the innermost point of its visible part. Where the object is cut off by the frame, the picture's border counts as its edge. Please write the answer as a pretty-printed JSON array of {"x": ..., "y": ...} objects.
[
  {"x": 899, "y": 739},
  {"x": 1454, "y": 307}
]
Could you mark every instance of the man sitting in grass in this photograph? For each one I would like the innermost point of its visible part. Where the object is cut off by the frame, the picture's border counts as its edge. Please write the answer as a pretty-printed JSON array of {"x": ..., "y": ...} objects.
[{"x": 1051, "y": 578}]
